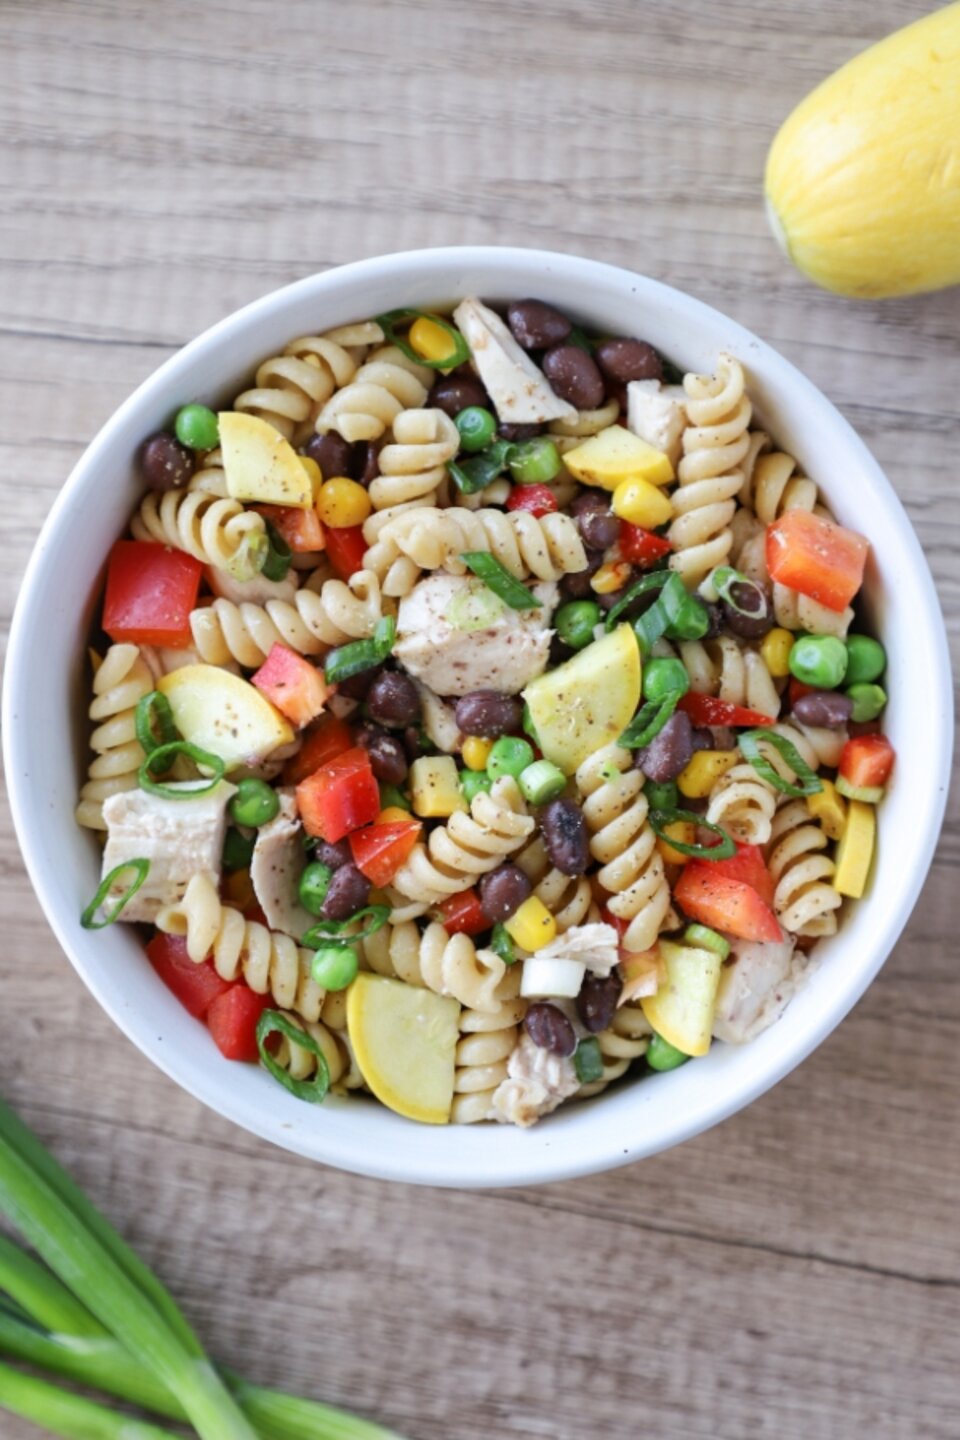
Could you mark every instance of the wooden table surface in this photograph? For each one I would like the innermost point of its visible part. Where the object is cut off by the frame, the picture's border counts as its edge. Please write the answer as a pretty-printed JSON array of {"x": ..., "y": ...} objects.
[{"x": 796, "y": 1272}]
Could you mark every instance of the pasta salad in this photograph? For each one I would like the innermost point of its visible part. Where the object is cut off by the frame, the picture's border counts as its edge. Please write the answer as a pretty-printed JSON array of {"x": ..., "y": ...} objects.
[{"x": 481, "y": 714}]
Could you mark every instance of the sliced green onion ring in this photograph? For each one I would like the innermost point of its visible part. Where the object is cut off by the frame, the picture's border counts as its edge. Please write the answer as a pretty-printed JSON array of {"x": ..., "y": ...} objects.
[
  {"x": 163, "y": 757},
  {"x": 499, "y": 580},
  {"x": 140, "y": 868},
  {"x": 808, "y": 782},
  {"x": 588, "y": 1060},
  {"x": 460, "y": 350},
  {"x": 475, "y": 607},
  {"x": 250, "y": 556},
  {"x": 272, "y": 1022},
  {"x": 655, "y": 580},
  {"x": 475, "y": 474},
  {"x": 279, "y": 556},
  {"x": 154, "y": 722},
  {"x": 349, "y": 660},
  {"x": 649, "y": 721},
  {"x": 334, "y": 932},
  {"x": 719, "y": 586},
  {"x": 501, "y": 943},
  {"x": 660, "y": 819}
]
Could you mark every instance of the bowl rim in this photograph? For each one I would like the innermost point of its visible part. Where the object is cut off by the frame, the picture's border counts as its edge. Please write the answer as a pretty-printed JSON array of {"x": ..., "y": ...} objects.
[{"x": 541, "y": 1163}]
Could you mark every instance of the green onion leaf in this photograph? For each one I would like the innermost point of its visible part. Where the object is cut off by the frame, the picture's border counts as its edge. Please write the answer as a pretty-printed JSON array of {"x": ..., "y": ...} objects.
[
  {"x": 706, "y": 939},
  {"x": 335, "y": 932},
  {"x": 349, "y": 660},
  {"x": 154, "y": 722},
  {"x": 163, "y": 757},
  {"x": 475, "y": 607},
  {"x": 459, "y": 349},
  {"x": 660, "y": 819},
  {"x": 500, "y": 581},
  {"x": 655, "y": 580},
  {"x": 719, "y": 585},
  {"x": 475, "y": 474},
  {"x": 808, "y": 782},
  {"x": 588, "y": 1060},
  {"x": 278, "y": 558},
  {"x": 249, "y": 558},
  {"x": 649, "y": 721},
  {"x": 60, "y": 1412},
  {"x": 140, "y": 868},
  {"x": 272, "y": 1022},
  {"x": 501, "y": 943}
]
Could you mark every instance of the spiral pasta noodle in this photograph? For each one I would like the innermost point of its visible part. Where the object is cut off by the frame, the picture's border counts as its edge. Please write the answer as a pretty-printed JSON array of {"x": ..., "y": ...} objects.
[
  {"x": 715, "y": 444},
  {"x": 731, "y": 671},
  {"x": 799, "y": 612},
  {"x": 394, "y": 950},
  {"x": 215, "y": 530},
  {"x": 413, "y": 465},
  {"x": 310, "y": 624},
  {"x": 546, "y": 547},
  {"x": 569, "y": 898},
  {"x": 452, "y": 965},
  {"x": 467, "y": 846},
  {"x": 289, "y": 390},
  {"x": 487, "y": 1040},
  {"x": 121, "y": 681},
  {"x": 743, "y": 803},
  {"x": 804, "y": 899},
  {"x": 387, "y": 383},
  {"x": 301, "y": 1063},
  {"x": 615, "y": 810},
  {"x": 624, "y": 1041}
]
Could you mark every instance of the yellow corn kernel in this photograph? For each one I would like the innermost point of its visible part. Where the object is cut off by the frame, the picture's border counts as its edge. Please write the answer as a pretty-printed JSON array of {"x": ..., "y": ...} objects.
[
  {"x": 830, "y": 809},
  {"x": 237, "y": 889},
  {"x": 701, "y": 773},
  {"x": 313, "y": 470},
  {"x": 430, "y": 340},
  {"x": 855, "y": 850},
  {"x": 610, "y": 577},
  {"x": 642, "y": 503},
  {"x": 532, "y": 926},
  {"x": 435, "y": 786},
  {"x": 392, "y": 815},
  {"x": 775, "y": 648},
  {"x": 476, "y": 752},
  {"x": 343, "y": 502},
  {"x": 684, "y": 831}
]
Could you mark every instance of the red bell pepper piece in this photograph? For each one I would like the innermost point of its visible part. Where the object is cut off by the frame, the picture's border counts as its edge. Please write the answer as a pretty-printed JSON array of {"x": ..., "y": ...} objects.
[
  {"x": 462, "y": 914},
  {"x": 151, "y": 590},
  {"x": 346, "y": 548},
  {"x": 709, "y": 710},
  {"x": 817, "y": 557},
  {"x": 724, "y": 904},
  {"x": 301, "y": 529},
  {"x": 380, "y": 850},
  {"x": 642, "y": 547},
  {"x": 232, "y": 1019},
  {"x": 866, "y": 761},
  {"x": 195, "y": 986},
  {"x": 747, "y": 866},
  {"x": 534, "y": 499},
  {"x": 329, "y": 737},
  {"x": 290, "y": 682},
  {"x": 341, "y": 796}
]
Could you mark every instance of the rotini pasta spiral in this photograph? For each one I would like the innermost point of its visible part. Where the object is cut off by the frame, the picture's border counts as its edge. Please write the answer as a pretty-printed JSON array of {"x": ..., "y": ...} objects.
[
  {"x": 434, "y": 539},
  {"x": 301, "y": 1063},
  {"x": 715, "y": 444},
  {"x": 467, "y": 846},
  {"x": 310, "y": 624},
  {"x": 290, "y": 389},
  {"x": 804, "y": 899},
  {"x": 625, "y": 1041},
  {"x": 452, "y": 965},
  {"x": 798, "y": 612},
  {"x": 121, "y": 681},
  {"x": 269, "y": 963},
  {"x": 414, "y": 463},
  {"x": 615, "y": 810},
  {"x": 487, "y": 1040},
  {"x": 569, "y": 898},
  {"x": 566, "y": 434},
  {"x": 743, "y": 804},
  {"x": 394, "y": 950},
  {"x": 734, "y": 672},
  {"x": 218, "y": 531},
  {"x": 385, "y": 384},
  {"x": 775, "y": 485}
]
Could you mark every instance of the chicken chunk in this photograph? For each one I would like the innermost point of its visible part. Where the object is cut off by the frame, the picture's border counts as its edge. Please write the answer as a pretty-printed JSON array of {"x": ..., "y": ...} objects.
[
  {"x": 537, "y": 1082},
  {"x": 520, "y": 392},
  {"x": 594, "y": 945},
  {"x": 504, "y": 656},
  {"x": 658, "y": 415},
  {"x": 757, "y": 988},
  {"x": 180, "y": 839},
  {"x": 278, "y": 862}
]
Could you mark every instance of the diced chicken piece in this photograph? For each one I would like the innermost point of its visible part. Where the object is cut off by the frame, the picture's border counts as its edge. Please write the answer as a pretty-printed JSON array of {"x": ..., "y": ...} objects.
[
  {"x": 593, "y": 945},
  {"x": 257, "y": 591},
  {"x": 180, "y": 839},
  {"x": 520, "y": 392},
  {"x": 278, "y": 862},
  {"x": 439, "y": 721},
  {"x": 504, "y": 656},
  {"x": 757, "y": 988},
  {"x": 537, "y": 1082},
  {"x": 658, "y": 415}
]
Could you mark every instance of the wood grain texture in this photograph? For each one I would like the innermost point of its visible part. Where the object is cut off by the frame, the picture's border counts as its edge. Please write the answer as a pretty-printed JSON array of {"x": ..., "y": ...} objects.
[{"x": 796, "y": 1272}]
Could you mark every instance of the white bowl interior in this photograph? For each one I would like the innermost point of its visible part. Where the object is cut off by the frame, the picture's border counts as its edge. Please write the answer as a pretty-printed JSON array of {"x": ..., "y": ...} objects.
[{"x": 46, "y": 727}]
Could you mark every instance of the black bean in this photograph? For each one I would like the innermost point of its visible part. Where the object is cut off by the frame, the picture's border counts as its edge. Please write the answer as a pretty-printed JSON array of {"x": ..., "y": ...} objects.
[
  {"x": 488, "y": 713},
  {"x": 165, "y": 464},
  {"x": 565, "y": 837},
  {"x": 574, "y": 376},
  {"x": 536, "y": 325},
  {"x": 714, "y": 619},
  {"x": 331, "y": 452},
  {"x": 702, "y": 737},
  {"x": 393, "y": 700},
  {"x": 721, "y": 737},
  {"x": 559, "y": 651},
  {"x": 576, "y": 586},
  {"x": 364, "y": 461},
  {"x": 358, "y": 686},
  {"x": 626, "y": 360},
  {"x": 599, "y": 529},
  {"x": 669, "y": 752},
  {"x": 519, "y": 433},
  {"x": 549, "y": 1029},
  {"x": 597, "y": 1001},
  {"x": 589, "y": 500},
  {"x": 823, "y": 707},
  {"x": 613, "y": 597},
  {"x": 502, "y": 892},
  {"x": 349, "y": 891},
  {"x": 415, "y": 742},
  {"x": 754, "y": 618},
  {"x": 333, "y": 855},
  {"x": 388, "y": 758},
  {"x": 456, "y": 392}
]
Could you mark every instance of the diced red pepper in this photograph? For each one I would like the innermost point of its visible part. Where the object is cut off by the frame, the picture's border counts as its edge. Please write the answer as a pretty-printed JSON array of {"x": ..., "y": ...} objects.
[
  {"x": 461, "y": 914},
  {"x": 232, "y": 1019},
  {"x": 301, "y": 529},
  {"x": 151, "y": 590},
  {"x": 329, "y": 737},
  {"x": 866, "y": 761},
  {"x": 534, "y": 499},
  {"x": 747, "y": 866},
  {"x": 340, "y": 797},
  {"x": 642, "y": 547},
  {"x": 797, "y": 689},
  {"x": 817, "y": 557},
  {"x": 709, "y": 710},
  {"x": 195, "y": 986},
  {"x": 290, "y": 682},
  {"x": 724, "y": 904},
  {"x": 346, "y": 548},
  {"x": 380, "y": 850}
]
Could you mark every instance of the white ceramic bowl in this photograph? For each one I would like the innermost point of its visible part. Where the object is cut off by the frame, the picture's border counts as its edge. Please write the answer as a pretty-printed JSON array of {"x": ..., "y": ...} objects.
[{"x": 46, "y": 728}]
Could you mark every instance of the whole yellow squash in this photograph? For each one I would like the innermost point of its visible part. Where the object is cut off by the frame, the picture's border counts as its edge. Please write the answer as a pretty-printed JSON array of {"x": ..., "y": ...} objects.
[{"x": 863, "y": 179}]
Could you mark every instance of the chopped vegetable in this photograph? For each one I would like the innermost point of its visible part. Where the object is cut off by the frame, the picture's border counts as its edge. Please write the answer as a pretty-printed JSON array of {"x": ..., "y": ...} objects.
[
  {"x": 640, "y": 546},
  {"x": 327, "y": 739},
  {"x": 140, "y": 869},
  {"x": 709, "y": 710},
  {"x": 707, "y": 939},
  {"x": 346, "y": 549},
  {"x": 867, "y": 760},
  {"x": 153, "y": 720},
  {"x": 720, "y": 850},
  {"x": 649, "y": 721},
  {"x": 232, "y": 1019},
  {"x": 703, "y": 770},
  {"x": 541, "y": 781},
  {"x": 463, "y": 914},
  {"x": 163, "y": 757},
  {"x": 748, "y": 865},
  {"x": 299, "y": 529},
  {"x": 405, "y": 1040},
  {"x": 278, "y": 559},
  {"x": 681, "y": 1011},
  {"x": 537, "y": 500},
  {"x": 641, "y": 503},
  {"x": 588, "y": 1060},
  {"x": 489, "y": 569},
  {"x": 431, "y": 340},
  {"x": 471, "y": 476},
  {"x": 474, "y": 607},
  {"x": 379, "y": 850},
  {"x": 828, "y": 809},
  {"x": 553, "y": 978},
  {"x": 531, "y": 926},
  {"x": 349, "y": 660},
  {"x": 807, "y": 782},
  {"x": 586, "y": 702},
  {"x": 271, "y": 1023},
  {"x": 435, "y": 786},
  {"x": 339, "y": 797},
  {"x": 502, "y": 945},
  {"x": 855, "y": 850},
  {"x": 150, "y": 593},
  {"x": 646, "y": 583},
  {"x": 534, "y": 462},
  {"x": 683, "y": 830},
  {"x": 724, "y": 904},
  {"x": 260, "y": 465},
  {"x": 615, "y": 455},
  {"x": 297, "y": 688},
  {"x": 224, "y": 715},
  {"x": 816, "y": 557}
]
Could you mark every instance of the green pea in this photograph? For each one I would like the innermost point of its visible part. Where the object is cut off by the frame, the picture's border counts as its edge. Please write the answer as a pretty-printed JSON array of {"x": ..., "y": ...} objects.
[
  {"x": 335, "y": 967},
  {"x": 237, "y": 849},
  {"x": 477, "y": 428},
  {"x": 510, "y": 756},
  {"x": 472, "y": 782},
  {"x": 663, "y": 796},
  {"x": 661, "y": 1055},
  {"x": 575, "y": 622},
  {"x": 534, "y": 462},
  {"x": 818, "y": 660},
  {"x": 254, "y": 804},
  {"x": 868, "y": 701},
  {"x": 866, "y": 659},
  {"x": 313, "y": 887},
  {"x": 662, "y": 677},
  {"x": 197, "y": 428}
]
